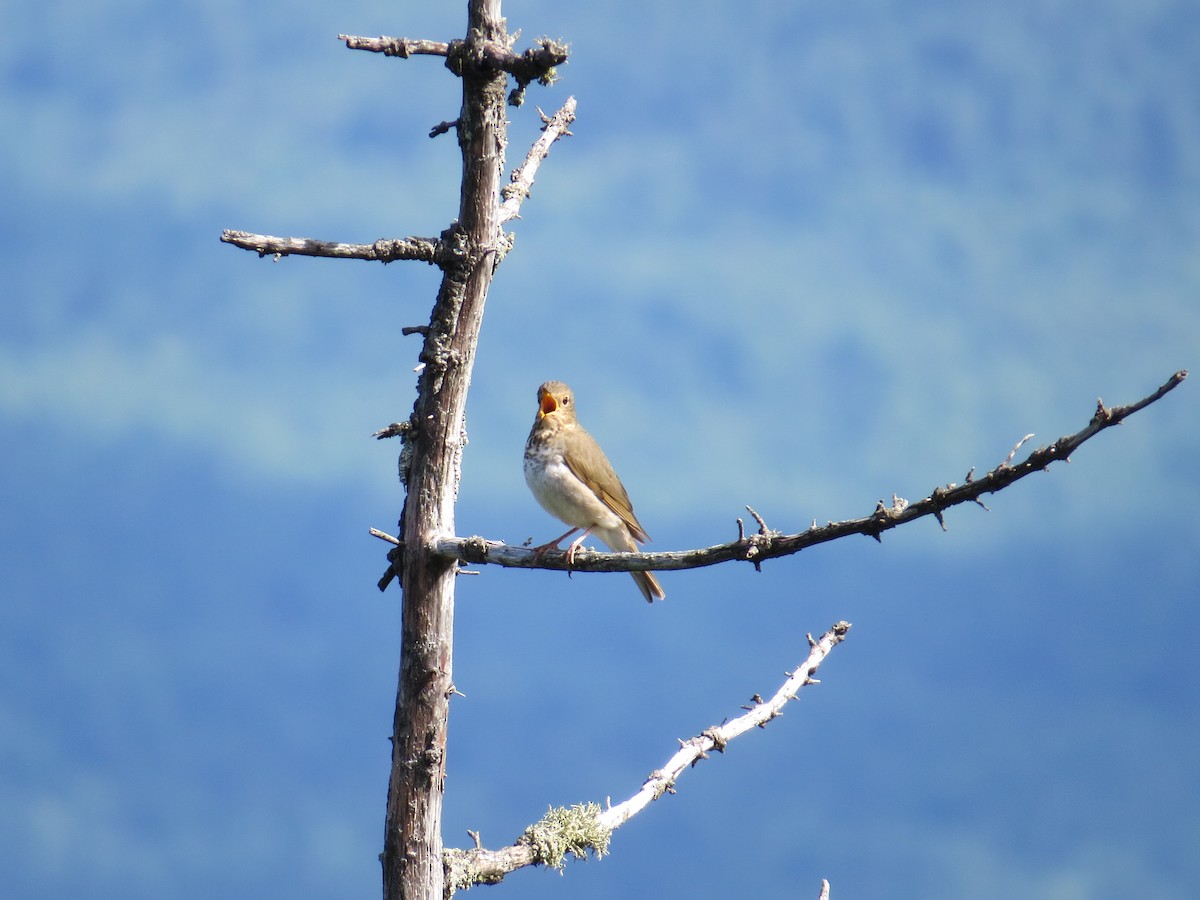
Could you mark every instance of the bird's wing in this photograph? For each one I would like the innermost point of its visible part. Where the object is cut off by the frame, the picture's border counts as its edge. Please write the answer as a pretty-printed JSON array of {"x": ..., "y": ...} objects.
[{"x": 594, "y": 470}]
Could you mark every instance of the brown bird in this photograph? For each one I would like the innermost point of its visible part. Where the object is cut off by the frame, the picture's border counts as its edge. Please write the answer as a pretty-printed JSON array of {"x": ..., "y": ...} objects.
[{"x": 573, "y": 480}]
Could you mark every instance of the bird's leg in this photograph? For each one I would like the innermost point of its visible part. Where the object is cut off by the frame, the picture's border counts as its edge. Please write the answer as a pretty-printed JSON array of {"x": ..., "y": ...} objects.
[
  {"x": 575, "y": 546},
  {"x": 539, "y": 552},
  {"x": 542, "y": 549}
]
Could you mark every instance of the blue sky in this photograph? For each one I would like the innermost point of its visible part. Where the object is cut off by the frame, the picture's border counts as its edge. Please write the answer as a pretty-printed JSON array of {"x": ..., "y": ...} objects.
[{"x": 797, "y": 256}]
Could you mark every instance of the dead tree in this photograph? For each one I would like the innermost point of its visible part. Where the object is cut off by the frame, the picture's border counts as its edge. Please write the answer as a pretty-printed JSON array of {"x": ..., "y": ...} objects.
[
  {"x": 467, "y": 252},
  {"x": 427, "y": 553}
]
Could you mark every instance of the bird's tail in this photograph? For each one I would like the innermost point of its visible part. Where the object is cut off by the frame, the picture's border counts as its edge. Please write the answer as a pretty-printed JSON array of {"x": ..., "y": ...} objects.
[
  {"x": 649, "y": 586},
  {"x": 620, "y": 539}
]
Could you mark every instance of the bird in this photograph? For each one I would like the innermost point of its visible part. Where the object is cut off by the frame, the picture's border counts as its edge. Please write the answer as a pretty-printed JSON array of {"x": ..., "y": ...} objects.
[{"x": 573, "y": 480}]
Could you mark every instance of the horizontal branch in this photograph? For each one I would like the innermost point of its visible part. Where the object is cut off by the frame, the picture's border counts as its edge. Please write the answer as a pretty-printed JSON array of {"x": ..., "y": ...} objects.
[
  {"x": 585, "y": 828},
  {"x": 534, "y": 64},
  {"x": 769, "y": 544},
  {"x": 390, "y": 46},
  {"x": 386, "y": 250}
]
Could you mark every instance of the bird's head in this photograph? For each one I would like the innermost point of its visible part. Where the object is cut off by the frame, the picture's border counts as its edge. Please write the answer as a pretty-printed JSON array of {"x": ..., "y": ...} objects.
[{"x": 555, "y": 397}]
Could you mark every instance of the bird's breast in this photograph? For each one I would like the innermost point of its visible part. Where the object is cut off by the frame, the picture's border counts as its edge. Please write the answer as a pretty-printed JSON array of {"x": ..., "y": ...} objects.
[{"x": 563, "y": 495}]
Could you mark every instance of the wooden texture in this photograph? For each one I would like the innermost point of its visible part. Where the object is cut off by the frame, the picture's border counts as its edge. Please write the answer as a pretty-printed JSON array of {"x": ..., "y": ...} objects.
[{"x": 412, "y": 858}]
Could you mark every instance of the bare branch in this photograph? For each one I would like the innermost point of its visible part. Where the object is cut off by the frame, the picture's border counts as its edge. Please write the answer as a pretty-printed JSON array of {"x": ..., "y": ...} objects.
[
  {"x": 396, "y": 429},
  {"x": 1013, "y": 452},
  {"x": 488, "y": 57},
  {"x": 481, "y": 57},
  {"x": 535, "y": 64},
  {"x": 390, "y": 46},
  {"x": 384, "y": 536},
  {"x": 386, "y": 250},
  {"x": 585, "y": 827},
  {"x": 769, "y": 544},
  {"x": 521, "y": 184},
  {"x": 716, "y": 737}
]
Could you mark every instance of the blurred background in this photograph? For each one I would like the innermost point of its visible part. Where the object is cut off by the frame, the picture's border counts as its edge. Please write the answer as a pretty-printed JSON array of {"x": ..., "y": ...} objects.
[{"x": 800, "y": 256}]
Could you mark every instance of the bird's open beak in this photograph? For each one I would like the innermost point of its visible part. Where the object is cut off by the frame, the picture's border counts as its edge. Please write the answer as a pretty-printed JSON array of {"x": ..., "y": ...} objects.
[{"x": 548, "y": 404}]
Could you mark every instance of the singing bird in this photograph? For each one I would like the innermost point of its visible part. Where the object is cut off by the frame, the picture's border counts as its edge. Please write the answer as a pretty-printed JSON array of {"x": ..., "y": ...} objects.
[{"x": 573, "y": 481}]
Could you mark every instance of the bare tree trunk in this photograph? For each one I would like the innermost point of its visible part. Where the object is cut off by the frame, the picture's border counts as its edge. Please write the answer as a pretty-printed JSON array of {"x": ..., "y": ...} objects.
[{"x": 412, "y": 857}]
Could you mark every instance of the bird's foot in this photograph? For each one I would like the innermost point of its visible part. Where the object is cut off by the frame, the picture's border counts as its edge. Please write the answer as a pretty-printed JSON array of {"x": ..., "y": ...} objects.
[
  {"x": 571, "y": 551},
  {"x": 542, "y": 549}
]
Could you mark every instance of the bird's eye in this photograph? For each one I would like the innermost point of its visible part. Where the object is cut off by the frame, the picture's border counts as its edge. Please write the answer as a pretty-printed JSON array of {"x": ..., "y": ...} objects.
[{"x": 566, "y": 401}]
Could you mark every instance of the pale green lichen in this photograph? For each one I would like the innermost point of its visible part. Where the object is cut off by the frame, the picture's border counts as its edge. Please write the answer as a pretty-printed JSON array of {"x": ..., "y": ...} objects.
[{"x": 563, "y": 830}]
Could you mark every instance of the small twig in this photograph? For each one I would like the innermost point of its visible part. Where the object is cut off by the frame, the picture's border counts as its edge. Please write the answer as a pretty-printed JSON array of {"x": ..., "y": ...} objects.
[
  {"x": 755, "y": 540},
  {"x": 1013, "y": 452},
  {"x": 396, "y": 429},
  {"x": 443, "y": 127},
  {"x": 762, "y": 526},
  {"x": 384, "y": 536}
]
